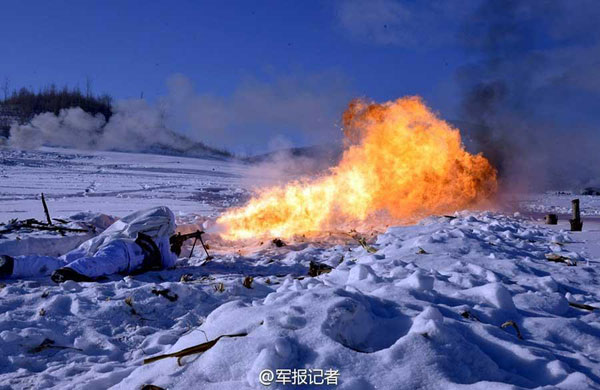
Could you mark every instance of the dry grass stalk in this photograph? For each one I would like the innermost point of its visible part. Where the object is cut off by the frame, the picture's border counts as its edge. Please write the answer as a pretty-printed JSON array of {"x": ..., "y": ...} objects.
[
  {"x": 583, "y": 306},
  {"x": 248, "y": 281},
  {"x": 200, "y": 348},
  {"x": 33, "y": 224},
  {"x": 514, "y": 325},
  {"x": 165, "y": 293},
  {"x": 278, "y": 242},
  {"x": 469, "y": 316},
  {"x": 49, "y": 343},
  {"x": 316, "y": 269},
  {"x": 362, "y": 241},
  {"x": 129, "y": 302},
  {"x": 186, "y": 278},
  {"x": 560, "y": 259}
]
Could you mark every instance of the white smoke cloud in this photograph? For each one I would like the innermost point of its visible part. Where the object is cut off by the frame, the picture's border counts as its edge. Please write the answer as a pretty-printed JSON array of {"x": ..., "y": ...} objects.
[
  {"x": 25, "y": 137},
  {"x": 531, "y": 90},
  {"x": 301, "y": 109},
  {"x": 72, "y": 127},
  {"x": 134, "y": 126},
  {"x": 139, "y": 122}
]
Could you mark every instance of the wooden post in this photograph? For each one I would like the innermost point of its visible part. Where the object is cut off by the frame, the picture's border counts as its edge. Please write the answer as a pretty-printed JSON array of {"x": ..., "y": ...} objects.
[
  {"x": 551, "y": 219},
  {"x": 46, "y": 210},
  {"x": 576, "y": 223}
]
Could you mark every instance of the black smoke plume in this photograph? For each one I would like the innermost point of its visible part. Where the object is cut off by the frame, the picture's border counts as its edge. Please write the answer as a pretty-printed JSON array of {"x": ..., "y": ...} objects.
[{"x": 531, "y": 90}]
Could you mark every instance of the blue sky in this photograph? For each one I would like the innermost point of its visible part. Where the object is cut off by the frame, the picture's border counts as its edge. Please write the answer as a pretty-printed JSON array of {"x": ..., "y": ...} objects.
[
  {"x": 268, "y": 73},
  {"x": 127, "y": 47}
]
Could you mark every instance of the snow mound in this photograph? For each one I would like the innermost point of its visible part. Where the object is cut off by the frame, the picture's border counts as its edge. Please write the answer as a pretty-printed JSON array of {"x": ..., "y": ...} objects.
[{"x": 433, "y": 308}]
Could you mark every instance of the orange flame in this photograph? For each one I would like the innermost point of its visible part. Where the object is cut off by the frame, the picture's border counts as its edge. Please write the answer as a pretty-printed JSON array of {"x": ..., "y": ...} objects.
[{"x": 401, "y": 159}]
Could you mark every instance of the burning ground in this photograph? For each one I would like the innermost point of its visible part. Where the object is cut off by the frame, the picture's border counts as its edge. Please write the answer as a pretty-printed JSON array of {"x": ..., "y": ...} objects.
[{"x": 426, "y": 309}]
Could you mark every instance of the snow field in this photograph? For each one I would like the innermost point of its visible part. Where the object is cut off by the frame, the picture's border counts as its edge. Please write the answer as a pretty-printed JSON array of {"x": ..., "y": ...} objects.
[{"x": 425, "y": 311}]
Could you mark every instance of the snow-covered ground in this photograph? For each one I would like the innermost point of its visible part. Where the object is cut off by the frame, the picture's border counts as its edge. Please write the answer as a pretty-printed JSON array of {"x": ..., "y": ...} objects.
[
  {"x": 558, "y": 202},
  {"x": 424, "y": 311},
  {"x": 115, "y": 183}
]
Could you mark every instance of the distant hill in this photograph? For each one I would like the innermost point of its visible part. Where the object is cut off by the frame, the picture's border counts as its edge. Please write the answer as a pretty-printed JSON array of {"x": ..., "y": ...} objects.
[
  {"x": 180, "y": 145},
  {"x": 330, "y": 153},
  {"x": 299, "y": 161}
]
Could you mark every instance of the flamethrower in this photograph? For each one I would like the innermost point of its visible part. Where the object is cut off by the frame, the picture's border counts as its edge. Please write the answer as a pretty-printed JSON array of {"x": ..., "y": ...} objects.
[{"x": 178, "y": 239}]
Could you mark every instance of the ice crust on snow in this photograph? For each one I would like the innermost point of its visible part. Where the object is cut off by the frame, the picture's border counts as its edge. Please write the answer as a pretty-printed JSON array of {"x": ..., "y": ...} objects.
[{"x": 388, "y": 320}]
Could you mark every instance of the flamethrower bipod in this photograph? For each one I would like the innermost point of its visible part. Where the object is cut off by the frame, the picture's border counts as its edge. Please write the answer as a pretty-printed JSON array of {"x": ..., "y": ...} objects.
[{"x": 178, "y": 239}]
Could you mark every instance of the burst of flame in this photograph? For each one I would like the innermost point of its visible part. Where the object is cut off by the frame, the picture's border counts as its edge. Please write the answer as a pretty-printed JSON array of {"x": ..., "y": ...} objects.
[{"x": 401, "y": 159}]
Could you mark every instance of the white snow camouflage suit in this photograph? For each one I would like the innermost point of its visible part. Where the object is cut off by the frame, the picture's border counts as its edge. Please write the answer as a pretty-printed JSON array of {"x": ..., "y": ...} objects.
[{"x": 112, "y": 251}]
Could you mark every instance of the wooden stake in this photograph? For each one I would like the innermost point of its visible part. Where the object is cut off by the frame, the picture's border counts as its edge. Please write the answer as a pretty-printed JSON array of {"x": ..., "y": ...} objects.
[
  {"x": 576, "y": 223},
  {"x": 551, "y": 219},
  {"x": 46, "y": 210}
]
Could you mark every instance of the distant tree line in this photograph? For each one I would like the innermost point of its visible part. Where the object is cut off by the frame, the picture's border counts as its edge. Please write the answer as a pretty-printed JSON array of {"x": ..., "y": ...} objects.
[{"x": 23, "y": 104}]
